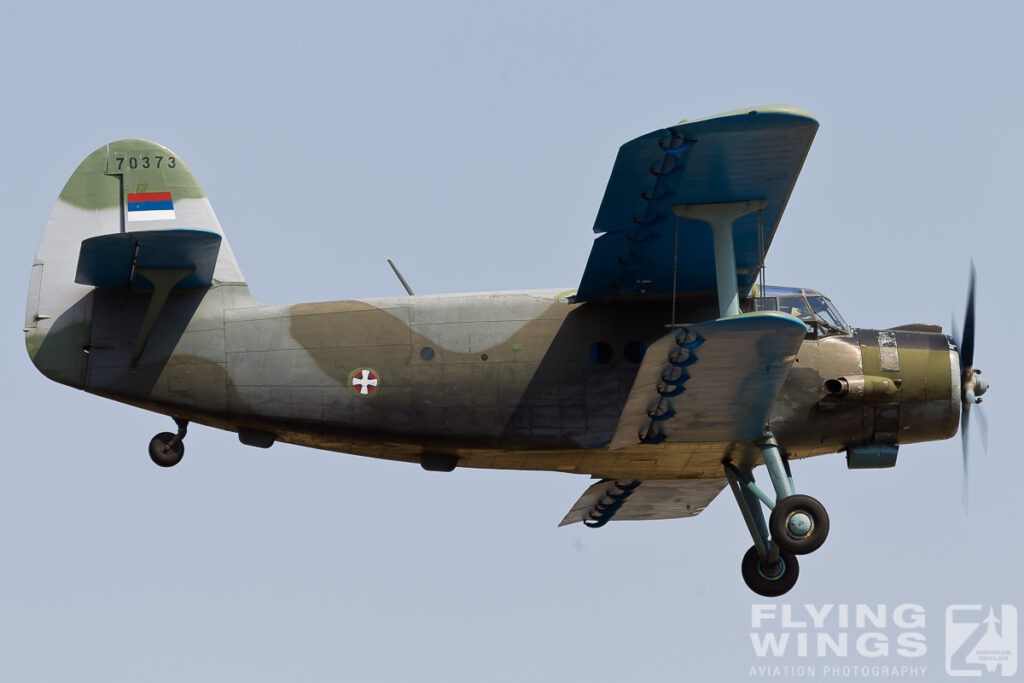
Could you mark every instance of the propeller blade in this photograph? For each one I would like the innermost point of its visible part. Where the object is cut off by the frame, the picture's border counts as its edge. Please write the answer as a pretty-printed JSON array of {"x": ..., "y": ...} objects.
[
  {"x": 967, "y": 347},
  {"x": 983, "y": 430},
  {"x": 965, "y": 437},
  {"x": 954, "y": 330}
]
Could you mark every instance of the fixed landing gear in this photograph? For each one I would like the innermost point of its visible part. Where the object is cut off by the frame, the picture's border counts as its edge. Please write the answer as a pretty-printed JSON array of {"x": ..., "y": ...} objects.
[
  {"x": 768, "y": 578},
  {"x": 166, "y": 449},
  {"x": 798, "y": 524}
]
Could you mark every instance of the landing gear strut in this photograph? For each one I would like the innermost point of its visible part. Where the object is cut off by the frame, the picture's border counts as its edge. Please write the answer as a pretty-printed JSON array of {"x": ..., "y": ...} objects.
[
  {"x": 166, "y": 449},
  {"x": 798, "y": 524}
]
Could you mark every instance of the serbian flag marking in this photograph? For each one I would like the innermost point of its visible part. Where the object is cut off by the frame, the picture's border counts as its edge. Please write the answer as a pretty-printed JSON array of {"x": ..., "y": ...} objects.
[{"x": 150, "y": 206}]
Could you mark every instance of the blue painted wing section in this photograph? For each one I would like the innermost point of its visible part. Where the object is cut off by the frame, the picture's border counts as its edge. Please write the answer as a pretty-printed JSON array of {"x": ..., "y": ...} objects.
[
  {"x": 111, "y": 261},
  {"x": 751, "y": 154}
]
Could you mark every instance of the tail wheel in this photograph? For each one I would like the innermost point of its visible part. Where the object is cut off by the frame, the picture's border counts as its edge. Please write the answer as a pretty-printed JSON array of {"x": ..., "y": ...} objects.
[
  {"x": 768, "y": 580},
  {"x": 799, "y": 524},
  {"x": 163, "y": 453}
]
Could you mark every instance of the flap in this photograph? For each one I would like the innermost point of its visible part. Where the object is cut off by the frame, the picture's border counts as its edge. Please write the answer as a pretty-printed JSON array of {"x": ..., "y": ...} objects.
[
  {"x": 743, "y": 155},
  {"x": 713, "y": 381},
  {"x": 112, "y": 261},
  {"x": 610, "y": 500}
]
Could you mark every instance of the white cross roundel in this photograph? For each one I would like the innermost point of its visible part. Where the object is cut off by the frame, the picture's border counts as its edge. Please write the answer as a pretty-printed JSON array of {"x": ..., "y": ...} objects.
[{"x": 364, "y": 381}]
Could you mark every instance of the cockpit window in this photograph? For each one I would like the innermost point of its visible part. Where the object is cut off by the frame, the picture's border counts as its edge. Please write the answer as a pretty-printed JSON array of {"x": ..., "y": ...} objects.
[
  {"x": 825, "y": 311},
  {"x": 795, "y": 306},
  {"x": 817, "y": 311}
]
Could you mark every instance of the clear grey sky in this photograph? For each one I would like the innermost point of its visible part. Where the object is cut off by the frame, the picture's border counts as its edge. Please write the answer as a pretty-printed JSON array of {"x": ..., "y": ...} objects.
[{"x": 471, "y": 142}]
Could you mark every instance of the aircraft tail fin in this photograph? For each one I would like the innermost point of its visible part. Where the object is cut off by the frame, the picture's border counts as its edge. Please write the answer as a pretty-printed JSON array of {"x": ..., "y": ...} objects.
[{"x": 131, "y": 207}]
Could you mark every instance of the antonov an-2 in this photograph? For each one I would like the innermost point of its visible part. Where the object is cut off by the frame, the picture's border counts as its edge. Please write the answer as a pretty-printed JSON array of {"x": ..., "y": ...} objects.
[{"x": 667, "y": 375}]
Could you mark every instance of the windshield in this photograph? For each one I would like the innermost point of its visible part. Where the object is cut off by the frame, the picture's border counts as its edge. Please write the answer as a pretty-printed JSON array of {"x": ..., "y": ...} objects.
[
  {"x": 810, "y": 306},
  {"x": 824, "y": 309}
]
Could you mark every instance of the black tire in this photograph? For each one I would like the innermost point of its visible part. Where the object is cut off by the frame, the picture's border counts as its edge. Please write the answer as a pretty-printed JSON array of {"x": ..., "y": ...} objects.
[
  {"x": 770, "y": 584},
  {"x": 161, "y": 454},
  {"x": 782, "y": 533}
]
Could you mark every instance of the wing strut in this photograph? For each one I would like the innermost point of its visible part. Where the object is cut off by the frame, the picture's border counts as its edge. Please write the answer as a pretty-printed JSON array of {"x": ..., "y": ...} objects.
[{"x": 720, "y": 216}]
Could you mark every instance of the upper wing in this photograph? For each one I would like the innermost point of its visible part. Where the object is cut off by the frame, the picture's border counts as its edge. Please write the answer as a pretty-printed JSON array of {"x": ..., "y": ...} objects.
[
  {"x": 710, "y": 382},
  {"x": 742, "y": 155}
]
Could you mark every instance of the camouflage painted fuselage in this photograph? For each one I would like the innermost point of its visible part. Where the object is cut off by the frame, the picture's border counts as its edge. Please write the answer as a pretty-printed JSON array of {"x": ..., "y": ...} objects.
[
  {"x": 504, "y": 380},
  {"x": 513, "y": 380}
]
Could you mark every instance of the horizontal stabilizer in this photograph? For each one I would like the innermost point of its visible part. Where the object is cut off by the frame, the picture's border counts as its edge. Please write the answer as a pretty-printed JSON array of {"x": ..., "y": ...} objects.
[
  {"x": 620, "y": 500},
  {"x": 710, "y": 382},
  {"x": 114, "y": 261}
]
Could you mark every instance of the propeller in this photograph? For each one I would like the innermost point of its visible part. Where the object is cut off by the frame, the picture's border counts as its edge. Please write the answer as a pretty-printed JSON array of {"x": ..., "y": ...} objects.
[{"x": 972, "y": 386}]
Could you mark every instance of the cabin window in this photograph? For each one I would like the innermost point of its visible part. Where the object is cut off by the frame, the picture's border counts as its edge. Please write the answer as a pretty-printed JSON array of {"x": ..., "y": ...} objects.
[
  {"x": 601, "y": 353},
  {"x": 427, "y": 353},
  {"x": 634, "y": 352}
]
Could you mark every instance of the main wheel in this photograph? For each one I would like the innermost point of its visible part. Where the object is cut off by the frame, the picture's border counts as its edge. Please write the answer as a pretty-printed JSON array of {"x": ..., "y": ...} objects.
[
  {"x": 163, "y": 455},
  {"x": 770, "y": 581},
  {"x": 799, "y": 524}
]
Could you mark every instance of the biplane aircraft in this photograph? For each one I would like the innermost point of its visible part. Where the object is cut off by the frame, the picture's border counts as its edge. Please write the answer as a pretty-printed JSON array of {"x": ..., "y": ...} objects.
[{"x": 670, "y": 373}]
